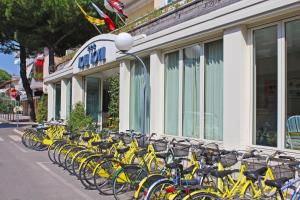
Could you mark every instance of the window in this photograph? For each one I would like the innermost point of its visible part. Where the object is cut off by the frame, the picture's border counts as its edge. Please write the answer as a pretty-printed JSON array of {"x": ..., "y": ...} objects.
[
  {"x": 276, "y": 79},
  {"x": 136, "y": 96},
  {"x": 292, "y": 32},
  {"x": 57, "y": 101},
  {"x": 191, "y": 91},
  {"x": 171, "y": 92},
  {"x": 213, "y": 91},
  {"x": 265, "y": 53},
  {"x": 93, "y": 98},
  {"x": 184, "y": 96}
]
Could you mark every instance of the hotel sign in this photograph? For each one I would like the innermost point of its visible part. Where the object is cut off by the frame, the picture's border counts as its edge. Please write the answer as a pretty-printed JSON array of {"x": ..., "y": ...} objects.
[
  {"x": 95, "y": 53},
  {"x": 95, "y": 56}
]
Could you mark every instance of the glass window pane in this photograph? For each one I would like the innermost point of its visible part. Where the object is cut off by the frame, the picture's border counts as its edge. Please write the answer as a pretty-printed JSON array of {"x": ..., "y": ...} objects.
[
  {"x": 265, "y": 52},
  {"x": 191, "y": 93},
  {"x": 136, "y": 94},
  {"x": 57, "y": 101},
  {"x": 293, "y": 84},
  {"x": 171, "y": 92},
  {"x": 93, "y": 97},
  {"x": 213, "y": 119}
]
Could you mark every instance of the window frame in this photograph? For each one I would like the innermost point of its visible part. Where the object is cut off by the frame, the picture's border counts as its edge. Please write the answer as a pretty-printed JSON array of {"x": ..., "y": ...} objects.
[
  {"x": 281, "y": 84},
  {"x": 180, "y": 88}
]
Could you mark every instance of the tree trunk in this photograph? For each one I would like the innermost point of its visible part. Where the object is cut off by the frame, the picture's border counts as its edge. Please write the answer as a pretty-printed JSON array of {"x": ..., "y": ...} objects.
[
  {"x": 51, "y": 60},
  {"x": 26, "y": 84}
]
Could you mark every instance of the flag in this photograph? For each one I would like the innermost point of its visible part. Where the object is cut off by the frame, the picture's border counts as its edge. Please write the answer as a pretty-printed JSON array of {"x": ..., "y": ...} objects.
[
  {"x": 115, "y": 6},
  {"x": 110, "y": 24},
  {"x": 92, "y": 20}
]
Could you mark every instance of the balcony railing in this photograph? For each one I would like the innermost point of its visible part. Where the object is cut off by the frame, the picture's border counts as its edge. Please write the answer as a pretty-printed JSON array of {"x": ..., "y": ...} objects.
[{"x": 172, "y": 14}]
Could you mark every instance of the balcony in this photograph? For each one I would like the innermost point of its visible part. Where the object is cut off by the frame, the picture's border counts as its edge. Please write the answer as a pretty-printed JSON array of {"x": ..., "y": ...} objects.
[{"x": 173, "y": 14}]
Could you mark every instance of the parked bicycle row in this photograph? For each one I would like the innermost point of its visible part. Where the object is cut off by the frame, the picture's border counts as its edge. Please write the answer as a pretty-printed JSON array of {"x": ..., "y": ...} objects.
[{"x": 131, "y": 165}]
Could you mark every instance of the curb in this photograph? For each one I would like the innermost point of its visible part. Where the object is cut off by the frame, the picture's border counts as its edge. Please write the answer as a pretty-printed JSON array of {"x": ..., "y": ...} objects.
[
  {"x": 15, "y": 123},
  {"x": 17, "y": 131}
]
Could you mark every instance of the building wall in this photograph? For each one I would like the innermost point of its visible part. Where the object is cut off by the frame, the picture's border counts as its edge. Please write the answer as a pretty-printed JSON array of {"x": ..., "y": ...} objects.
[
  {"x": 233, "y": 24},
  {"x": 139, "y": 9}
]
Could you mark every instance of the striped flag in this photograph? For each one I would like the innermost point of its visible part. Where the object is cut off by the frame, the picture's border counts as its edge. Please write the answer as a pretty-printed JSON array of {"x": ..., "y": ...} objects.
[
  {"x": 110, "y": 24},
  {"x": 115, "y": 6},
  {"x": 92, "y": 20}
]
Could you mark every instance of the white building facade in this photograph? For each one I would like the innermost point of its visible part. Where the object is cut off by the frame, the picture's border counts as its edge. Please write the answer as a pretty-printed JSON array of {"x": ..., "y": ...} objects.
[{"x": 230, "y": 75}]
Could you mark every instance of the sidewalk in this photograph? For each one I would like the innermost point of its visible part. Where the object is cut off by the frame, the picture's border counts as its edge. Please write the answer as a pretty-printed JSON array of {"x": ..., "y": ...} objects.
[{"x": 23, "y": 120}]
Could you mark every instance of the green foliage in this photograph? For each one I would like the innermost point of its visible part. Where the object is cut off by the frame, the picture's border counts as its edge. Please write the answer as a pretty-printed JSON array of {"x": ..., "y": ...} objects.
[
  {"x": 38, "y": 76},
  {"x": 4, "y": 76},
  {"x": 42, "y": 109},
  {"x": 78, "y": 118},
  {"x": 113, "y": 107}
]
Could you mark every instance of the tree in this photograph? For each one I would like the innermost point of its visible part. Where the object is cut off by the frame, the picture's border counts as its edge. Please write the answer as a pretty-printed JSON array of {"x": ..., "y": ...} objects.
[
  {"x": 27, "y": 26},
  {"x": 4, "y": 76},
  {"x": 42, "y": 109}
]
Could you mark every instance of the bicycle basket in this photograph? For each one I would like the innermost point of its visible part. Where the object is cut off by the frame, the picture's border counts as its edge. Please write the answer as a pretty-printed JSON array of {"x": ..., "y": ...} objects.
[
  {"x": 126, "y": 139},
  {"x": 229, "y": 159},
  {"x": 254, "y": 163},
  {"x": 143, "y": 142},
  {"x": 159, "y": 146},
  {"x": 181, "y": 150},
  {"x": 282, "y": 170}
]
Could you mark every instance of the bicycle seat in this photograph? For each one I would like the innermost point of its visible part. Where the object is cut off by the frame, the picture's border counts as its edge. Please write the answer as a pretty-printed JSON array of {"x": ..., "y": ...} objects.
[
  {"x": 73, "y": 137},
  {"x": 222, "y": 174},
  {"x": 107, "y": 156},
  {"x": 278, "y": 183},
  {"x": 254, "y": 174},
  {"x": 105, "y": 145},
  {"x": 96, "y": 143},
  {"x": 123, "y": 150},
  {"x": 86, "y": 139},
  {"x": 189, "y": 170},
  {"x": 174, "y": 165},
  {"x": 162, "y": 155},
  {"x": 141, "y": 152},
  {"x": 66, "y": 133}
]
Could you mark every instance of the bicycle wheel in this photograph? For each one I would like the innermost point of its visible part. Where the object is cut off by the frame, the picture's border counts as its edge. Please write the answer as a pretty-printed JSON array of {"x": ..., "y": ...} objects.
[
  {"x": 145, "y": 184},
  {"x": 158, "y": 191},
  {"x": 203, "y": 196},
  {"x": 56, "y": 152},
  {"x": 78, "y": 159},
  {"x": 51, "y": 149},
  {"x": 86, "y": 171},
  {"x": 62, "y": 153},
  {"x": 103, "y": 176},
  {"x": 69, "y": 157},
  {"x": 127, "y": 180}
]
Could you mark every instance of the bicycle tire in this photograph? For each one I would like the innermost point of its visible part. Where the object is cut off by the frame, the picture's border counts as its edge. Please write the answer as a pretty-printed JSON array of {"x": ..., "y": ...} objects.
[
  {"x": 127, "y": 178},
  {"x": 103, "y": 176}
]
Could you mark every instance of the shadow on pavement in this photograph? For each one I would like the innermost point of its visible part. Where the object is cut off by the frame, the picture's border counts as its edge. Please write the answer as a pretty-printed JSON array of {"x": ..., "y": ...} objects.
[{"x": 7, "y": 125}]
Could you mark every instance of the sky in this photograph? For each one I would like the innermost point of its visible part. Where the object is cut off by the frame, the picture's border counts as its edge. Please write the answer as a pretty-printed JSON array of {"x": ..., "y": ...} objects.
[{"x": 7, "y": 63}]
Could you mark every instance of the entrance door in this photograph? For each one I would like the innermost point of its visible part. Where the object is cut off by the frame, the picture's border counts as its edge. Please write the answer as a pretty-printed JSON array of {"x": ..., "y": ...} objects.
[{"x": 93, "y": 98}]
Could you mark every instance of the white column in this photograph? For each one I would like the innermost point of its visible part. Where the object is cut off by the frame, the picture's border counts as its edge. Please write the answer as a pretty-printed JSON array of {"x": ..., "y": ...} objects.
[
  {"x": 124, "y": 95},
  {"x": 63, "y": 102},
  {"x": 157, "y": 93},
  {"x": 237, "y": 89},
  {"x": 51, "y": 100},
  {"x": 77, "y": 90}
]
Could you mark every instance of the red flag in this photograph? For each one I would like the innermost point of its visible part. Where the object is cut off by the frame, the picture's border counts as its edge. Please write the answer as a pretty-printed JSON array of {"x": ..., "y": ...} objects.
[
  {"x": 117, "y": 6},
  {"x": 110, "y": 24}
]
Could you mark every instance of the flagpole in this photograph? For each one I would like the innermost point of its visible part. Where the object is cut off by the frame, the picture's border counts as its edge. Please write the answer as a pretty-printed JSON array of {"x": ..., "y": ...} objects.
[
  {"x": 119, "y": 16},
  {"x": 97, "y": 29}
]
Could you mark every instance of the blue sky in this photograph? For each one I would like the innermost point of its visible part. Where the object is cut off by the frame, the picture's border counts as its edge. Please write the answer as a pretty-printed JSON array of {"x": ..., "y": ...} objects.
[{"x": 7, "y": 63}]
